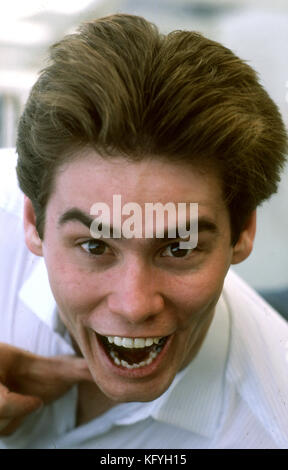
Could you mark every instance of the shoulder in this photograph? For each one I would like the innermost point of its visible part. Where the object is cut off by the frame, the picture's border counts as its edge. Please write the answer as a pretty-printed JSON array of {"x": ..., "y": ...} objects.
[
  {"x": 257, "y": 367},
  {"x": 16, "y": 260},
  {"x": 11, "y": 196},
  {"x": 248, "y": 308},
  {"x": 13, "y": 250}
]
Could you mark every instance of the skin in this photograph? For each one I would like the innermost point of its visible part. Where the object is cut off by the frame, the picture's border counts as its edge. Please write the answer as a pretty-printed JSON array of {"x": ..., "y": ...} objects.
[
  {"x": 29, "y": 381},
  {"x": 136, "y": 287}
]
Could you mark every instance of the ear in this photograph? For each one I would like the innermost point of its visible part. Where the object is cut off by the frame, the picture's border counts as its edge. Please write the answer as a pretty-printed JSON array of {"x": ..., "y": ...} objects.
[
  {"x": 244, "y": 245},
  {"x": 32, "y": 239}
]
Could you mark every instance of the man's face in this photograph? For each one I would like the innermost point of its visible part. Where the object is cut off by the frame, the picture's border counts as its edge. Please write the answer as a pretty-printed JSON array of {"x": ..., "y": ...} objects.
[{"x": 135, "y": 288}]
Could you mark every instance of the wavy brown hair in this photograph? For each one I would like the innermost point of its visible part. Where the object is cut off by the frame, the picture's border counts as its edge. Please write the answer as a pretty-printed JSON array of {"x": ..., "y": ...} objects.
[{"x": 122, "y": 88}]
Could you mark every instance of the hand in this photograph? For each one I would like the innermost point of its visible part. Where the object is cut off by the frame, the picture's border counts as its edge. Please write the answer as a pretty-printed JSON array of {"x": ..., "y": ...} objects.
[{"x": 28, "y": 381}]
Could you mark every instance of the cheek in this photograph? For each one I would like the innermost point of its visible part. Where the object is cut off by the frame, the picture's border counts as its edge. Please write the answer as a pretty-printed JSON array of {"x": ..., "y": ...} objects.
[
  {"x": 71, "y": 286},
  {"x": 197, "y": 294},
  {"x": 77, "y": 292}
]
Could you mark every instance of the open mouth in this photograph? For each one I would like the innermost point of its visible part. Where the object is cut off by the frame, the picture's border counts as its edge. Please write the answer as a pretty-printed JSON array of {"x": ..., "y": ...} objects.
[{"x": 132, "y": 353}]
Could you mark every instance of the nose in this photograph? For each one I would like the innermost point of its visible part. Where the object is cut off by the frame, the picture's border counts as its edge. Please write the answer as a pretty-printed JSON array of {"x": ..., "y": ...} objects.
[{"x": 135, "y": 295}]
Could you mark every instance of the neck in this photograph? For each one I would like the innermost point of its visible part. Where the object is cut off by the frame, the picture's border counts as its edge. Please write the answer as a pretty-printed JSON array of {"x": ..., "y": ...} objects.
[{"x": 91, "y": 402}]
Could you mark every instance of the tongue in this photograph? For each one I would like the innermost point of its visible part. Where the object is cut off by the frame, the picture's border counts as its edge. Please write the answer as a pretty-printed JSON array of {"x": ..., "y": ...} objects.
[{"x": 134, "y": 355}]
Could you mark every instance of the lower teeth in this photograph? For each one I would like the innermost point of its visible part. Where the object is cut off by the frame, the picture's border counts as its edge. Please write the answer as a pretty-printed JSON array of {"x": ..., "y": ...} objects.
[{"x": 120, "y": 362}]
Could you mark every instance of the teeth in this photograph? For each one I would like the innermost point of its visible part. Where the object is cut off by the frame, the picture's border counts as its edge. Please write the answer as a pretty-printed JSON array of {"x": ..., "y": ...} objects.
[
  {"x": 127, "y": 342},
  {"x": 125, "y": 364},
  {"x": 139, "y": 343},
  {"x": 133, "y": 342},
  {"x": 118, "y": 341},
  {"x": 118, "y": 362}
]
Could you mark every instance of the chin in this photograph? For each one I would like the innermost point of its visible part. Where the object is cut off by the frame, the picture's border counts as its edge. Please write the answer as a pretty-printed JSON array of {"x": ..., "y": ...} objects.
[{"x": 126, "y": 396}]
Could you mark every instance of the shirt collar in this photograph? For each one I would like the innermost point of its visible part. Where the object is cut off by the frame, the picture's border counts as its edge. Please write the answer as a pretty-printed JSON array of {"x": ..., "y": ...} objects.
[{"x": 194, "y": 399}]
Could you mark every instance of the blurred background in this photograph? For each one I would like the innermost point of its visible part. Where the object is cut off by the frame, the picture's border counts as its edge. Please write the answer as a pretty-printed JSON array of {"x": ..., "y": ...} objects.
[{"x": 257, "y": 30}]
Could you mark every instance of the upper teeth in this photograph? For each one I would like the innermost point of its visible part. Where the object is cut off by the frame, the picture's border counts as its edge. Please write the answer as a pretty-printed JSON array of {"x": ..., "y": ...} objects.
[{"x": 133, "y": 342}]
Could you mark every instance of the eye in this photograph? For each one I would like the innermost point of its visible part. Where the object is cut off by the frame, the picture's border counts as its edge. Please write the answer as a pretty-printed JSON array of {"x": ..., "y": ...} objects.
[
  {"x": 94, "y": 247},
  {"x": 174, "y": 250}
]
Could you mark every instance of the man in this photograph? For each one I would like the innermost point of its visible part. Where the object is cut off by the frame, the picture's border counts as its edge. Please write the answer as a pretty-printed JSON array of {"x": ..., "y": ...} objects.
[{"x": 165, "y": 355}]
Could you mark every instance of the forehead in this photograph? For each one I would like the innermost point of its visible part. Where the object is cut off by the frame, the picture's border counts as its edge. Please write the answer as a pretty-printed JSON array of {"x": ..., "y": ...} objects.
[
  {"x": 92, "y": 178},
  {"x": 89, "y": 178}
]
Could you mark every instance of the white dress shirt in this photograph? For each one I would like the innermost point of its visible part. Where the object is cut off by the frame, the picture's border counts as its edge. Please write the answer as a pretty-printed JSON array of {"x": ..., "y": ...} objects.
[{"x": 233, "y": 395}]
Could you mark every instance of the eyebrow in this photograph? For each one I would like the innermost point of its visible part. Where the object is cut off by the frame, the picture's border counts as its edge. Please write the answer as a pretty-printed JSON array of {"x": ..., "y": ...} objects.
[{"x": 77, "y": 215}]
